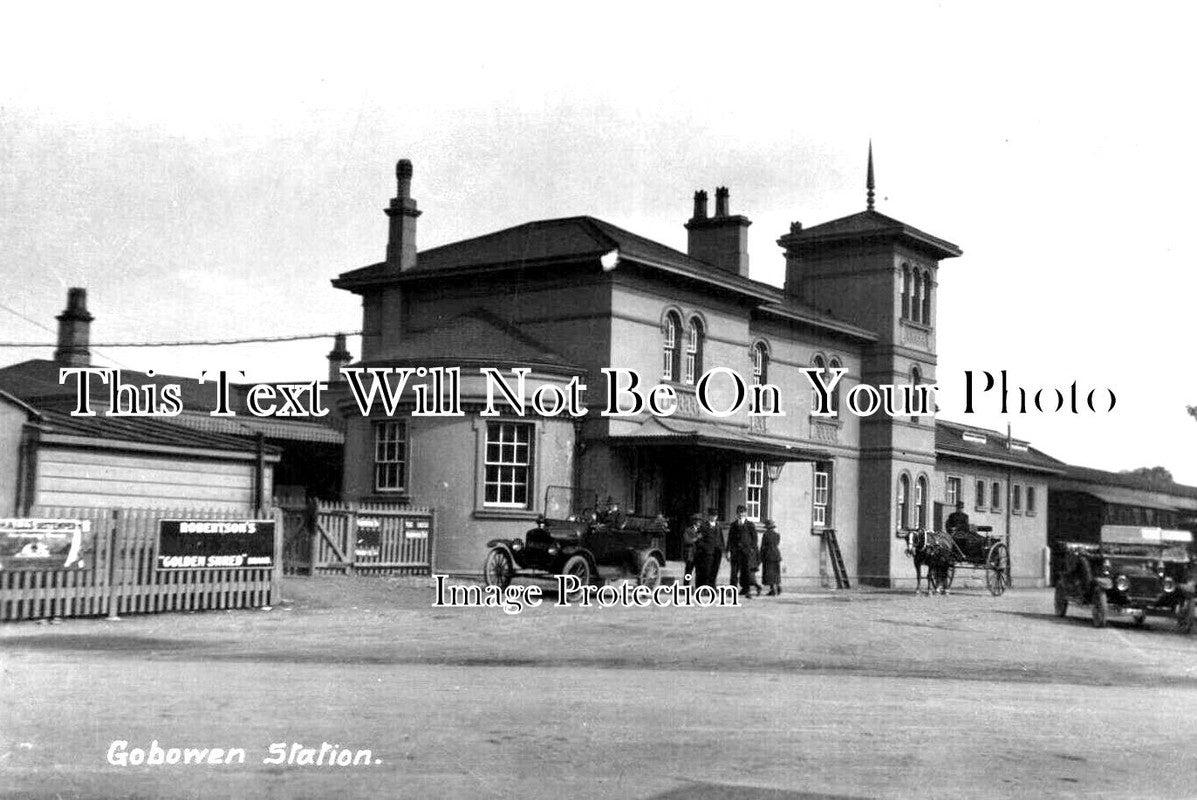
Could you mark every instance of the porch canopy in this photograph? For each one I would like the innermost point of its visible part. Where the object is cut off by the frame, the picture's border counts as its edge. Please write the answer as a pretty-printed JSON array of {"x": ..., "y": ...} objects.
[{"x": 731, "y": 440}]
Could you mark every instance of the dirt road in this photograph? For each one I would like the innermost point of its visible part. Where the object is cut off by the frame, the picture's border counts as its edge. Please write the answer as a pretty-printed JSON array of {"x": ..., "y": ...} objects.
[{"x": 849, "y": 695}]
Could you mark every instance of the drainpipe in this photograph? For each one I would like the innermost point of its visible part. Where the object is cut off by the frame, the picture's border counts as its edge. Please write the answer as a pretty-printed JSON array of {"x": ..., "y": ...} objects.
[
  {"x": 1009, "y": 498},
  {"x": 259, "y": 473}
]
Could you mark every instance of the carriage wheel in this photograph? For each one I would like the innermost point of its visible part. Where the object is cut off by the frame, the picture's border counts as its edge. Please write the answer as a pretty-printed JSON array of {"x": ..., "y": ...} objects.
[
  {"x": 949, "y": 575},
  {"x": 650, "y": 573},
  {"x": 497, "y": 568},
  {"x": 997, "y": 569},
  {"x": 1061, "y": 599},
  {"x": 1101, "y": 608},
  {"x": 1184, "y": 616},
  {"x": 579, "y": 567}
]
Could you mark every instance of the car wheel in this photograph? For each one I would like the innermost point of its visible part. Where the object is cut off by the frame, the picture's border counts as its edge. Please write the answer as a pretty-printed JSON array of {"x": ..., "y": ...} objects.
[
  {"x": 1184, "y": 616},
  {"x": 1061, "y": 599},
  {"x": 1101, "y": 608},
  {"x": 497, "y": 569},
  {"x": 650, "y": 573},
  {"x": 579, "y": 567}
]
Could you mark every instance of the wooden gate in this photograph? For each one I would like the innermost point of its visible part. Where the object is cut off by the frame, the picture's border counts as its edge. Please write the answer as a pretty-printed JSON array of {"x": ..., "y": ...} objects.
[
  {"x": 347, "y": 538},
  {"x": 121, "y": 576}
]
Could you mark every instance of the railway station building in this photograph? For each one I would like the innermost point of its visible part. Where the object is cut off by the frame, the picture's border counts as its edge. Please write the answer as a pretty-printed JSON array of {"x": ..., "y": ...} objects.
[{"x": 565, "y": 298}]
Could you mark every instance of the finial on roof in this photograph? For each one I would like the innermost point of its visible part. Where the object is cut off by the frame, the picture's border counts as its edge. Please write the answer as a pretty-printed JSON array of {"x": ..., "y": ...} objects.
[{"x": 869, "y": 182}]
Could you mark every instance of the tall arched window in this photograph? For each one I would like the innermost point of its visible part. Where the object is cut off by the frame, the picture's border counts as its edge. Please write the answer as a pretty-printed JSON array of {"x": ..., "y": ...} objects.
[
  {"x": 693, "y": 364},
  {"x": 905, "y": 292},
  {"x": 920, "y": 502},
  {"x": 916, "y": 302},
  {"x": 835, "y": 363},
  {"x": 760, "y": 364},
  {"x": 819, "y": 363},
  {"x": 927, "y": 299},
  {"x": 670, "y": 350},
  {"x": 903, "y": 495},
  {"x": 916, "y": 377}
]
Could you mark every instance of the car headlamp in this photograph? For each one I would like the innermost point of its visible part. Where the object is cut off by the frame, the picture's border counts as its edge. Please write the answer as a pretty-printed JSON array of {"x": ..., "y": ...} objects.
[
  {"x": 1122, "y": 583},
  {"x": 1169, "y": 585},
  {"x": 517, "y": 545},
  {"x": 1105, "y": 567},
  {"x": 554, "y": 550}
]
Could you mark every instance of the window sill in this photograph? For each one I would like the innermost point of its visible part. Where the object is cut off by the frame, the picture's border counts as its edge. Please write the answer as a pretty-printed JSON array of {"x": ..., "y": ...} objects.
[{"x": 505, "y": 513}]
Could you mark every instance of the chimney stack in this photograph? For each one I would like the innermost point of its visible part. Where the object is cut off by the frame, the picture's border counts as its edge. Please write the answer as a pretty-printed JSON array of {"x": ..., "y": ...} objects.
[
  {"x": 74, "y": 331},
  {"x": 337, "y": 358},
  {"x": 721, "y": 240},
  {"x": 401, "y": 243}
]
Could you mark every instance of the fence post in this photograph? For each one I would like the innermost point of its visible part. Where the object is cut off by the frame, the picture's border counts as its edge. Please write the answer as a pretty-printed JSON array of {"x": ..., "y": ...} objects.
[
  {"x": 312, "y": 523},
  {"x": 276, "y": 571},
  {"x": 351, "y": 539},
  {"x": 115, "y": 540},
  {"x": 433, "y": 532}
]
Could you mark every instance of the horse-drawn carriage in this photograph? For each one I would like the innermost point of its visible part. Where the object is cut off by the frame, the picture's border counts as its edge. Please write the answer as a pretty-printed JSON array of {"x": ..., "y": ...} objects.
[
  {"x": 589, "y": 542},
  {"x": 942, "y": 553}
]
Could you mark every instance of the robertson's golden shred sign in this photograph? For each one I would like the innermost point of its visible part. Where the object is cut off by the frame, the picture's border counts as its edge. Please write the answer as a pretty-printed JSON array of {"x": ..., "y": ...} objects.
[{"x": 215, "y": 544}]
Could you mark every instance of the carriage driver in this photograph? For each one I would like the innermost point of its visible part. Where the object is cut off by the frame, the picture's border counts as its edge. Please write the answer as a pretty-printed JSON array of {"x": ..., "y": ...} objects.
[{"x": 958, "y": 520}]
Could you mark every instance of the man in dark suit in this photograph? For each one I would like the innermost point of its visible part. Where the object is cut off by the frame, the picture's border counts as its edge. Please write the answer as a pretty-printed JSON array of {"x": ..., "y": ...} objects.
[
  {"x": 741, "y": 542},
  {"x": 709, "y": 549},
  {"x": 958, "y": 520}
]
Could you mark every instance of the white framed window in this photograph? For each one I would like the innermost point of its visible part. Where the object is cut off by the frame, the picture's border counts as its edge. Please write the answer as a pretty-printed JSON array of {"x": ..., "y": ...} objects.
[
  {"x": 390, "y": 456},
  {"x": 920, "y": 502},
  {"x": 819, "y": 363},
  {"x": 693, "y": 362},
  {"x": 1030, "y": 501},
  {"x": 507, "y": 482},
  {"x": 995, "y": 497},
  {"x": 835, "y": 363},
  {"x": 822, "y": 496},
  {"x": 1016, "y": 499},
  {"x": 952, "y": 493},
  {"x": 669, "y": 350},
  {"x": 980, "y": 495},
  {"x": 903, "y": 498},
  {"x": 754, "y": 490}
]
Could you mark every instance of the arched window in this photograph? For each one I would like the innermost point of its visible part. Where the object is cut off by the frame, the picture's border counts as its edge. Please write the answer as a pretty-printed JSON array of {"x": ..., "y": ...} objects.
[
  {"x": 916, "y": 302},
  {"x": 903, "y": 494},
  {"x": 916, "y": 377},
  {"x": 819, "y": 363},
  {"x": 670, "y": 350},
  {"x": 693, "y": 364},
  {"x": 835, "y": 363},
  {"x": 905, "y": 292},
  {"x": 920, "y": 502},
  {"x": 760, "y": 364},
  {"x": 927, "y": 299}
]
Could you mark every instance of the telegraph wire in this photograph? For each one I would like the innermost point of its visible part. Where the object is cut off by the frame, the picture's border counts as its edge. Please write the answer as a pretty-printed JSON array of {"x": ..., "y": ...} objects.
[{"x": 197, "y": 342}]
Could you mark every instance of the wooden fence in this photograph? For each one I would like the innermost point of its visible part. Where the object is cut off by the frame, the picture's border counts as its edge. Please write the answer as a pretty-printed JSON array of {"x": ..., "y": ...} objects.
[
  {"x": 121, "y": 575},
  {"x": 347, "y": 538}
]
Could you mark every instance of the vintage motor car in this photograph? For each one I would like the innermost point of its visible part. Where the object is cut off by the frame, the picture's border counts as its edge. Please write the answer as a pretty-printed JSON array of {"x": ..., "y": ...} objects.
[
  {"x": 1137, "y": 571},
  {"x": 591, "y": 542}
]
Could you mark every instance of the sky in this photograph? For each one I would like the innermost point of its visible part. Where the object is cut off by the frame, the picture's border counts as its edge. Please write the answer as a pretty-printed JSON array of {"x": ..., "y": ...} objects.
[{"x": 205, "y": 171}]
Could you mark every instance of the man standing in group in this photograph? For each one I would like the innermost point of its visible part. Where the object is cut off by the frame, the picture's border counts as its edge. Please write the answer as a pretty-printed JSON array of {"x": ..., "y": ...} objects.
[
  {"x": 709, "y": 552},
  {"x": 741, "y": 542}
]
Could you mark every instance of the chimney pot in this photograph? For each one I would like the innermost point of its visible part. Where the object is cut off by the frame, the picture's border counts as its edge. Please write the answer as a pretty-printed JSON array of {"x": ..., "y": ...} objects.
[
  {"x": 401, "y": 240},
  {"x": 74, "y": 331},
  {"x": 700, "y": 204},
  {"x": 338, "y": 357}
]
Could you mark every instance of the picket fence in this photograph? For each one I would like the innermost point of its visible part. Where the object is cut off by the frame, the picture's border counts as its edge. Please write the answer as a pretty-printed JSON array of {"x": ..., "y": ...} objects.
[
  {"x": 121, "y": 576},
  {"x": 349, "y": 538}
]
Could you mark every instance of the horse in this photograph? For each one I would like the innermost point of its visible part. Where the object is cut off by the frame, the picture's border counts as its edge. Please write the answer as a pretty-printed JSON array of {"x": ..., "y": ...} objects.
[{"x": 934, "y": 549}]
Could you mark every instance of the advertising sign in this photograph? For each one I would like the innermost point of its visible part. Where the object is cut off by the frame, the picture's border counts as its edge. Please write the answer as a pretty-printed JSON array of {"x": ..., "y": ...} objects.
[
  {"x": 369, "y": 538},
  {"x": 45, "y": 544},
  {"x": 215, "y": 544}
]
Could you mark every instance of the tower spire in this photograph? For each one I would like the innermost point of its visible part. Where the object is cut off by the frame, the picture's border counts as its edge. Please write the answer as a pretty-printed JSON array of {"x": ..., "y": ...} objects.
[{"x": 869, "y": 181}]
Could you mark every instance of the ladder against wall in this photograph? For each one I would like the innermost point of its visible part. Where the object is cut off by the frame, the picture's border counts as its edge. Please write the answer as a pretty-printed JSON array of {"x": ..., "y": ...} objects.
[{"x": 835, "y": 556}]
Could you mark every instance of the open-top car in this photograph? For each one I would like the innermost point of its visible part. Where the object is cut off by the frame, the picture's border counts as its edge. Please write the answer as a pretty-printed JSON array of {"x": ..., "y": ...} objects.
[
  {"x": 1136, "y": 571},
  {"x": 590, "y": 542}
]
